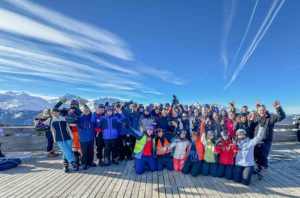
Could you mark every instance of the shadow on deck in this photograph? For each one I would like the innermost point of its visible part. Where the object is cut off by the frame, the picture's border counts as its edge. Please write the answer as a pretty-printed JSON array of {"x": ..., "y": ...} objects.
[{"x": 42, "y": 177}]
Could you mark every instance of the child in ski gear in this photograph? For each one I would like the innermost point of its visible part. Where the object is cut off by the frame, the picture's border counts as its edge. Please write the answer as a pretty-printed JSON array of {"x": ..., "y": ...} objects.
[
  {"x": 181, "y": 144},
  {"x": 210, "y": 163},
  {"x": 62, "y": 135},
  {"x": 194, "y": 161},
  {"x": 144, "y": 149},
  {"x": 71, "y": 115},
  {"x": 40, "y": 126},
  {"x": 110, "y": 126},
  {"x": 163, "y": 158},
  {"x": 96, "y": 117},
  {"x": 87, "y": 138},
  {"x": 244, "y": 161},
  {"x": 226, "y": 151}
]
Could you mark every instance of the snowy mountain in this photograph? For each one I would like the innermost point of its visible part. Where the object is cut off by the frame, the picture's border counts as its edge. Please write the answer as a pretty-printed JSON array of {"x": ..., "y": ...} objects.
[
  {"x": 19, "y": 101},
  {"x": 20, "y": 108}
]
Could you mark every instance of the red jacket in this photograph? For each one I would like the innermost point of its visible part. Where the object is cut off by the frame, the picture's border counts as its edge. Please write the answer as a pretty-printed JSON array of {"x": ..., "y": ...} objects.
[
  {"x": 229, "y": 124},
  {"x": 227, "y": 151}
]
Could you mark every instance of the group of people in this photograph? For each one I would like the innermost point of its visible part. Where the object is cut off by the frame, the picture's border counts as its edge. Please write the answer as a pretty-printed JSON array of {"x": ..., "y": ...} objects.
[{"x": 193, "y": 139}]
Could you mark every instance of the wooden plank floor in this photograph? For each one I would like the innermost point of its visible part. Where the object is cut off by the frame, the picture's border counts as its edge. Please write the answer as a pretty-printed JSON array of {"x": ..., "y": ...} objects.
[{"x": 44, "y": 178}]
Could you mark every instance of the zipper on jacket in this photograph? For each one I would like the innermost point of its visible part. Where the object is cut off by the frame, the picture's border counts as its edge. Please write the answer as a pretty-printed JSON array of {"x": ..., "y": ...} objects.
[{"x": 61, "y": 131}]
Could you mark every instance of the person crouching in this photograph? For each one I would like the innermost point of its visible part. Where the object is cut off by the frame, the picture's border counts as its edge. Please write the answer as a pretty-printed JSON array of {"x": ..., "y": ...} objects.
[
  {"x": 210, "y": 164},
  {"x": 144, "y": 149},
  {"x": 244, "y": 161},
  {"x": 194, "y": 161},
  {"x": 164, "y": 158},
  {"x": 226, "y": 151}
]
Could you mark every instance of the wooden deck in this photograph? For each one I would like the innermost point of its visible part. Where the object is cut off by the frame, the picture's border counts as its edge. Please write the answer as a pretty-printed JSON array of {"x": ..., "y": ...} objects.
[{"x": 42, "y": 177}]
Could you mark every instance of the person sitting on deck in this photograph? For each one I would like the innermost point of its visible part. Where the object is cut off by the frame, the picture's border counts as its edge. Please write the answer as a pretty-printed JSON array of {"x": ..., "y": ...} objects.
[
  {"x": 144, "y": 149},
  {"x": 244, "y": 161},
  {"x": 164, "y": 158}
]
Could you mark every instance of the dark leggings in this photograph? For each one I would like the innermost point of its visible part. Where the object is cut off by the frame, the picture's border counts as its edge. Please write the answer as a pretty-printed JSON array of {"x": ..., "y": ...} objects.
[{"x": 243, "y": 174}]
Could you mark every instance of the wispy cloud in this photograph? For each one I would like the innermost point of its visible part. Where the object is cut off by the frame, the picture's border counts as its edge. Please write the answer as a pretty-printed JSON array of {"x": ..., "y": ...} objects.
[
  {"x": 229, "y": 11},
  {"x": 47, "y": 44},
  {"x": 244, "y": 37},
  {"x": 275, "y": 8}
]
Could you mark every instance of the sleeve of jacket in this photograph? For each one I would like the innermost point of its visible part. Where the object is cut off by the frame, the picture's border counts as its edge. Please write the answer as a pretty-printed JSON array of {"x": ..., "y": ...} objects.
[
  {"x": 218, "y": 148},
  {"x": 137, "y": 134},
  {"x": 280, "y": 115},
  {"x": 57, "y": 105},
  {"x": 259, "y": 137}
]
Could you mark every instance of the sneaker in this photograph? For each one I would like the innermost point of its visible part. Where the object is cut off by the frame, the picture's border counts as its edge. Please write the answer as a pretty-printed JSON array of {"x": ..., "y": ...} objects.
[
  {"x": 66, "y": 169},
  {"x": 51, "y": 154},
  {"x": 75, "y": 167}
]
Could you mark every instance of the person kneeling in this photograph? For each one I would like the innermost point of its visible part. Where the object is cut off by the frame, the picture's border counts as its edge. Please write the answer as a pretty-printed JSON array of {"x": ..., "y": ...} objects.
[
  {"x": 194, "y": 161},
  {"x": 210, "y": 164},
  {"x": 181, "y": 144},
  {"x": 144, "y": 150},
  {"x": 164, "y": 158},
  {"x": 244, "y": 161},
  {"x": 227, "y": 151}
]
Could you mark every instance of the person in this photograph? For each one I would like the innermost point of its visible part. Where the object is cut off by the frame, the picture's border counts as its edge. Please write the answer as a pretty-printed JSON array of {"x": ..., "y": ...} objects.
[
  {"x": 110, "y": 126},
  {"x": 71, "y": 115},
  {"x": 1, "y": 135},
  {"x": 297, "y": 123},
  {"x": 122, "y": 134},
  {"x": 245, "y": 110},
  {"x": 226, "y": 151},
  {"x": 96, "y": 117},
  {"x": 144, "y": 149},
  {"x": 194, "y": 162},
  {"x": 186, "y": 125},
  {"x": 86, "y": 137},
  {"x": 243, "y": 123},
  {"x": 228, "y": 124},
  {"x": 62, "y": 135},
  {"x": 180, "y": 155},
  {"x": 40, "y": 126},
  {"x": 163, "y": 158},
  {"x": 223, "y": 114},
  {"x": 146, "y": 119},
  {"x": 163, "y": 123},
  {"x": 210, "y": 163},
  {"x": 244, "y": 161},
  {"x": 268, "y": 121},
  {"x": 174, "y": 125}
]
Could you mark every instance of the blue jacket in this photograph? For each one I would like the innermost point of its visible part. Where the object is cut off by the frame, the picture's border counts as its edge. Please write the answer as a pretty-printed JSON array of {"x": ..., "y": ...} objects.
[
  {"x": 122, "y": 130},
  {"x": 135, "y": 118},
  {"x": 245, "y": 156},
  {"x": 110, "y": 126},
  {"x": 86, "y": 128}
]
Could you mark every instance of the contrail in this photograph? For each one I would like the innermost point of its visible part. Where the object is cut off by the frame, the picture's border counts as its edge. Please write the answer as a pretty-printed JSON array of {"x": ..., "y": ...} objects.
[
  {"x": 259, "y": 35},
  {"x": 246, "y": 32}
]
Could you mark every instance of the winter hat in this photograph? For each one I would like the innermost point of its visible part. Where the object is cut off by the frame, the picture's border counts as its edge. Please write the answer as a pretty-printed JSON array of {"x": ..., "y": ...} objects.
[
  {"x": 108, "y": 108},
  {"x": 148, "y": 108},
  {"x": 46, "y": 113},
  {"x": 224, "y": 132},
  {"x": 100, "y": 106},
  {"x": 183, "y": 132},
  {"x": 241, "y": 132},
  {"x": 243, "y": 115},
  {"x": 74, "y": 103},
  {"x": 150, "y": 127},
  {"x": 211, "y": 133}
]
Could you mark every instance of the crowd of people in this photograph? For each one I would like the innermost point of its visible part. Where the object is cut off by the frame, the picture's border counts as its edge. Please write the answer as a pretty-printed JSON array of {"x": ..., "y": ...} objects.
[{"x": 193, "y": 139}]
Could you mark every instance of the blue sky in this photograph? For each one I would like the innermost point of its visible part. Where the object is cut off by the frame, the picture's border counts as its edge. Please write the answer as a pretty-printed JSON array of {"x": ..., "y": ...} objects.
[{"x": 207, "y": 51}]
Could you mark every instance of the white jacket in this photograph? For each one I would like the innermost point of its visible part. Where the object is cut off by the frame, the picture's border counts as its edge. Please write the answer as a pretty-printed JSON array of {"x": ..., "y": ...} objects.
[{"x": 180, "y": 148}]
